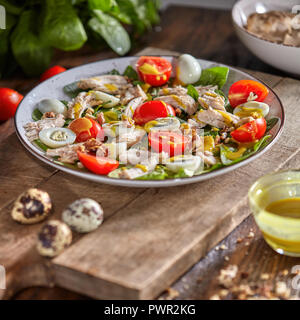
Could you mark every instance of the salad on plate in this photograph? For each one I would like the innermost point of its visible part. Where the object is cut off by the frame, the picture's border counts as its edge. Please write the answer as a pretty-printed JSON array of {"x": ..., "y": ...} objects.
[{"x": 157, "y": 120}]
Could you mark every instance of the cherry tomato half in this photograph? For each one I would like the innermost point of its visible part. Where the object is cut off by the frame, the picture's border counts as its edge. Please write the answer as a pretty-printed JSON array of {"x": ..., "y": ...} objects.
[
  {"x": 86, "y": 129},
  {"x": 9, "y": 101},
  {"x": 51, "y": 72},
  {"x": 171, "y": 142},
  {"x": 250, "y": 131},
  {"x": 152, "y": 110},
  {"x": 244, "y": 90},
  {"x": 155, "y": 71},
  {"x": 98, "y": 165}
]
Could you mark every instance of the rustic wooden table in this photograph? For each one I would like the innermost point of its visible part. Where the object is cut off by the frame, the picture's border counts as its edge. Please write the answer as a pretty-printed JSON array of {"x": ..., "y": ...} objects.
[{"x": 206, "y": 34}]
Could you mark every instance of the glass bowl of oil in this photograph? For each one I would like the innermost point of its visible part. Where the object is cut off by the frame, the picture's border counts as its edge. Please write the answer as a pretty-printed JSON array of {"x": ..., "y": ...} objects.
[{"x": 275, "y": 202}]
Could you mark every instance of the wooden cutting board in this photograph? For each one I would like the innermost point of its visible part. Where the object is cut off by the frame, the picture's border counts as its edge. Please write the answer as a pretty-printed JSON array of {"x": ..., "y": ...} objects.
[{"x": 150, "y": 237}]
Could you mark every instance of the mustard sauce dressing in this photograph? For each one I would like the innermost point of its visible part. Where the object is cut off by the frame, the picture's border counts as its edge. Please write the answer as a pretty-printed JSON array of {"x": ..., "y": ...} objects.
[{"x": 286, "y": 208}]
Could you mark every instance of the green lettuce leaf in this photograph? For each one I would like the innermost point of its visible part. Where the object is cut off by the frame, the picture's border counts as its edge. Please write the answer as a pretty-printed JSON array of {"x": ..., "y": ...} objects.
[
  {"x": 192, "y": 92},
  {"x": 271, "y": 123},
  {"x": 111, "y": 30},
  {"x": 258, "y": 146},
  {"x": 131, "y": 73},
  {"x": 216, "y": 76},
  {"x": 61, "y": 27},
  {"x": 36, "y": 115},
  {"x": 72, "y": 89},
  {"x": 32, "y": 54}
]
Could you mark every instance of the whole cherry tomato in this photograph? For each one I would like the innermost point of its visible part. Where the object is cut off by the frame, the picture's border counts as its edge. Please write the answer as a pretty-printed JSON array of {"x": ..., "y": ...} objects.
[
  {"x": 155, "y": 71},
  {"x": 152, "y": 110},
  {"x": 51, "y": 72},
  {"x": 9, "y": 101},
  {"x": 167, "y": 141},
  {"x": 98, "y": 165},
  {"x": 246, "y": 90},
  {"x": 86, "y": 129},
  {"x": 251, "y": 131}
]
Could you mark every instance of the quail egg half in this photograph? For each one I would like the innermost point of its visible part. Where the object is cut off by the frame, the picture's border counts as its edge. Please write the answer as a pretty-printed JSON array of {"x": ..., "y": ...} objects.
[{"x": 188, "y": 69}]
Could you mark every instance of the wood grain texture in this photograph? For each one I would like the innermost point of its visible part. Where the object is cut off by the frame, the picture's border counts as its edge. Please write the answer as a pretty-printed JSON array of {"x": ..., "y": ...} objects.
[
  {"x": 152, "y": 236},
  {"x": 205, "y": 26}
]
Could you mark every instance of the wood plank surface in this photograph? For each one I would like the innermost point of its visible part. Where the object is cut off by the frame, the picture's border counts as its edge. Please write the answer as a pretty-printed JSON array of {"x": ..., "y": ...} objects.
[
  {"x": 150, "y": 236},
  {"x": 206, "y": 34}
]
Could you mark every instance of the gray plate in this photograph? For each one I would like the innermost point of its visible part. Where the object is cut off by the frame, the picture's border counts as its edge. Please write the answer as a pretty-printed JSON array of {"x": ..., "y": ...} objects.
[{"x": 53, "y": 88}]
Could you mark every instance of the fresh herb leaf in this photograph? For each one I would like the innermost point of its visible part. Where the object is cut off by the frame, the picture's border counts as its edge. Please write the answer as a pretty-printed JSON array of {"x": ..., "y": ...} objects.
[
  {"x": 258, "y": 146},
  {"x": 271, "y": 123},
  {"x": 111, "y": 30},
  {"x": 72, "y": 89},
  {"x": 104, "y": 5},
  {"x": 41, "y": 145},
  {"x": 131, "y": 73},
  {"x": 36, "y": 115},
  {"x": 67, "y": 122},
  {"x": 216, "y": 76},
  {"x": 191, "y": 90},
  {"x": 114, "y": 72},
  {"x": 61, "y": 27},
  {"x": 209, "y": 131},
  {"x": 32, "y": 54}
]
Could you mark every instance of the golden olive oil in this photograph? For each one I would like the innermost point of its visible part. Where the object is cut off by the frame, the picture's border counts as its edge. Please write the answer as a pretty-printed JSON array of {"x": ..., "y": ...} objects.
[{"x": 275, "y": 203}]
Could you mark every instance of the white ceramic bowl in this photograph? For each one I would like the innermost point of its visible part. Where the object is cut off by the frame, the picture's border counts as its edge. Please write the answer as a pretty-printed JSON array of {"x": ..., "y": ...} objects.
[
  {"x": 280, "y": 56},
  {"x": 53, "y": 88}
]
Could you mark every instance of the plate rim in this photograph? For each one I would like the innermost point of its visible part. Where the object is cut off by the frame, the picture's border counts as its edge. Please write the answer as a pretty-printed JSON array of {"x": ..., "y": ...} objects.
[{"x": 152, "y": 183}]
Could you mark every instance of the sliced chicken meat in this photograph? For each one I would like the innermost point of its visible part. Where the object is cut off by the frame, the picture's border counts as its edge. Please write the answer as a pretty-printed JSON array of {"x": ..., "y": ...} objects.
[
  {"x": 113, "y": 84},
  {"x": 132, "y": 93},
  {"x": 212, "y": 99},
  {"x": 132, "y": 105},
  {"x": 179, "y": 91},
  {"x": 131, "y": 136},
  {"x": 217, "y": 118},
  {"x": 184, "y": 102},
  {"x": 67, "y": 154},
  {"x": 83, "y": 101},
  {"x": 32, "y": 129}
]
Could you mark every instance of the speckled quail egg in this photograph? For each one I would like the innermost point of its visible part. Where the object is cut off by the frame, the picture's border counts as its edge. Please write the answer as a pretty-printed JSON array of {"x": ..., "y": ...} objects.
[
  {"x": 83, "y": 215},
  {"x": 188, "y": 69},
  {"x": 57, "y": 137},
  {"x": 249, "y": 108},
  {"x": 52, "y": 105},
  {"x": 53, "y": 238},
  {"x": 32, "y": 206}
]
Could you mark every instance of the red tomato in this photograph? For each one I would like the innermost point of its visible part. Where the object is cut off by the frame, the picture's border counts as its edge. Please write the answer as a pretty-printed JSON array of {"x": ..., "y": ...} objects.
[
  {"x": 155, "y": 71},
  {"x": 171, "y": 142},
  {"x": 250, "y": 131},
  {"x": 241, "y": 90},
  {"x": 152, "y": 110},
  {"x": 86, "y": 129},
  {"x": 51, "y": 72},
  {"x": 98, "y": 165},
  {"x": 9, "y": 101}
]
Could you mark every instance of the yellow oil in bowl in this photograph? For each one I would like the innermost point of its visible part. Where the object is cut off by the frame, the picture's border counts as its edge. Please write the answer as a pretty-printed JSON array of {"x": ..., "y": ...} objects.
[{"x": 275, "y": 202}]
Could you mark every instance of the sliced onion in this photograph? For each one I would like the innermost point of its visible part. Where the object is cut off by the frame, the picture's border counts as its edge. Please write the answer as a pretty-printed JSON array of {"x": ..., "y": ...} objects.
[
  {"x": 52, "y": 105},
  {"x": 113, "y": 128},
  {"x": 187, "y": 162},
  {"x": 57, "y": 137},
  {"x": 163, "y": 124},
  {"x": 255, "y": 105},
  {"x": 109, "y": 100}
]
